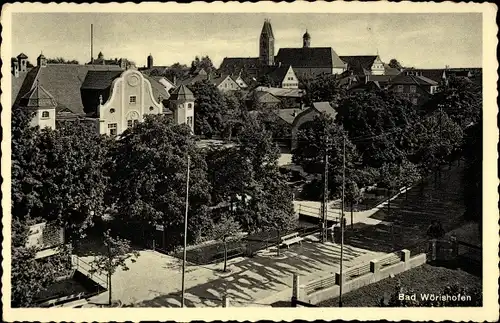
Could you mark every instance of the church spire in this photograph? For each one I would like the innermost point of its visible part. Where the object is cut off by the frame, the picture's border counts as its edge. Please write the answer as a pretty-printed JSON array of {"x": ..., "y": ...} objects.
[
  {"x": 266, "y": 45},
  {"x": 306, "y": 40}
]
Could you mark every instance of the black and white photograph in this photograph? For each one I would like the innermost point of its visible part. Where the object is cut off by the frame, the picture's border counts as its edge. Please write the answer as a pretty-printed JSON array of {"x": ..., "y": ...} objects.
[{"x": 176, "y": 160}]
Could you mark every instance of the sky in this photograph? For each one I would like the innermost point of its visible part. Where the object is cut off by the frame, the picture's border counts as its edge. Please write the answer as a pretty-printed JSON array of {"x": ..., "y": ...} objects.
[{"x": 424, "y": 40}]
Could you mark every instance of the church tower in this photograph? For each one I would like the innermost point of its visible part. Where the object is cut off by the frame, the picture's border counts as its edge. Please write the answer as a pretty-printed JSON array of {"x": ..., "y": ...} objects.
[
  {"x": 306, "y": 40},
  {"x": 150, "y": 61},
  {"x": 266, "y": 46}
]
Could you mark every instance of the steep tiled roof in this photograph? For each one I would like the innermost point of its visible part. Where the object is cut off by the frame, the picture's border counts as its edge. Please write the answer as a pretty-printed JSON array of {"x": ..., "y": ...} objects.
[
  {"x": 158, "y": 88},
  {"x": 38, "y": 98},
  {"x": 288, "y": 114},
  {"x": 309, "y": 57},
  {"x": 277, "y": 73},
  {"x": 411, "y": 79},
  {"x": 433, "y": 74},
  {"x": 359, "y": 64},
  {"x": 99, "y": 80},
  {"x": 16, "y": 85},
  {"x": 380, "y": 78},
  {"x": 325, "y": 107},
  {"x": 267, "y": 29},
  {"x": 279, "y": 92},
  {"x": 232, "y": 65},
  {"x": 265, "y": 97},
  {"x": 218, "y": 80},
  {"x": 63, "y": 82},
  {"x": 182, "y": 93},
  {"x": 391, "y": 70}
]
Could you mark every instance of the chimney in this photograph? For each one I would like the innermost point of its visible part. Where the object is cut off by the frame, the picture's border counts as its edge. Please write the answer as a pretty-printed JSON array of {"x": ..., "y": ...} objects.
[
  {"x": 91, "y": 43},
  {"x": 15, "y": 68}
]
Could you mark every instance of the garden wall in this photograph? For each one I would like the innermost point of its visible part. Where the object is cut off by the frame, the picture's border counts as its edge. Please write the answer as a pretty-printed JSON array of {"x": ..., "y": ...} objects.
[{"x": 376, "y": 273}]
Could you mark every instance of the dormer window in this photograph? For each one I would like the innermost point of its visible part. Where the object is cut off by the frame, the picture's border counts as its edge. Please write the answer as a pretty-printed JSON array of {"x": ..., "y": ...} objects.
[{"x": 45, "y": 114}]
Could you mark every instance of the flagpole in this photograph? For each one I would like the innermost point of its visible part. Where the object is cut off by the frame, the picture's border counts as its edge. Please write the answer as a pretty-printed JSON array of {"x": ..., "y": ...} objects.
[
  {"x": 342, "y": 229},
  {"x": 185, "y": 231}
]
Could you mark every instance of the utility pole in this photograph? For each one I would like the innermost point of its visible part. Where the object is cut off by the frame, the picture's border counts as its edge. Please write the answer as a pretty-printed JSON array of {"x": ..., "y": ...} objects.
[
  {"x": 185, "y": 230},
  {"x": 342, "y": 227},
  {"x": 324, "y": 207}
]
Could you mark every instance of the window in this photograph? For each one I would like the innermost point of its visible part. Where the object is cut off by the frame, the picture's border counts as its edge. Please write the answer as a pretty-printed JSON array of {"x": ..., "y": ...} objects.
[
  {"x": 113, "y": 131},
  {"x": 190, "y": 121},
  {"x": 132, "y": 123},
  {"x": 413, "y": 88},
  {"x": 400, "y": 88},
  {"x": 133, "y": 99},
  {"x": 111, "y": 110},
  {"x": 190, "y": 106},
  {"x": 414, "y": 101},
  {"x": 45, "y": 114},
  {"x": 151, "y": 108}
]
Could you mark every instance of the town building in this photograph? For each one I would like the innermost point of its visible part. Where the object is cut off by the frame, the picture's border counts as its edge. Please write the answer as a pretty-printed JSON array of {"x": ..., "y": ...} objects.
[
  {"x": 110, "y": 97},
  {"x": 310, "y": 61},
  {"x": 281, "y": 76},
  {"x": 418, "y": 89},
  {"x": 368, "y": 65},
  {"x": 306, "y": 60}
]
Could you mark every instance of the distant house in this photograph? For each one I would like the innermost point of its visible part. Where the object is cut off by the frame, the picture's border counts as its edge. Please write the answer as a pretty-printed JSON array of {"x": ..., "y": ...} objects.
[
  {"x": 167, "y": 84},
  {"x": 224, "y": 83},
  {"x": 307, "y": 115},
  {"x": 263, "y": 99},
  {"x": 368, "y": 65},
  {"x": 100, "y": 60},
  {"x": 282, "y": 76},
  {"x": 290, "y": 98},
  {"x": 418, "y": 89}
]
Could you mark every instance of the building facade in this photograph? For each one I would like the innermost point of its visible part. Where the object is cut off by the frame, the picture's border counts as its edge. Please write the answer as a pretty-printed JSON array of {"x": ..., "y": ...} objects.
[{"x": 130, "y": 99}]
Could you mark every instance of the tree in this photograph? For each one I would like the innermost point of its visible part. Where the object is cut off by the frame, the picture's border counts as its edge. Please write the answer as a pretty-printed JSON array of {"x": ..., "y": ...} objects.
[
  {"x": 374, "y": 121},
  {"x": 266, "y": 200},
  {"x": 31, "y": 276},
  {"x": 472, "y": 175},
  {"x": 202, "y": 63},
  {"x": 461, "y": 99},
  {"x": 26, "y": 178},
  {"x": 313, "y": 139},
  {"x": 235, "y": 114},
  {"x": 437, "y": 137},
  {"x": 118, "y": 251},
  {"x": 61, "y": 60},
  {"x": 224, "y": 229},
  {"x": 322, "y": 88},
  {"x": 210, "y": 109},
  {"x": 59, "y": 175},
  {"x": 395, "y": 64},
  {"x": 149, "y": 180}
]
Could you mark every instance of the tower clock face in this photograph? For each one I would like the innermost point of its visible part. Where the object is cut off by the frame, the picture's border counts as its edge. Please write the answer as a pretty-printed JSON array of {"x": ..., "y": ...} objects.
[{"x": 133, "y": 80}]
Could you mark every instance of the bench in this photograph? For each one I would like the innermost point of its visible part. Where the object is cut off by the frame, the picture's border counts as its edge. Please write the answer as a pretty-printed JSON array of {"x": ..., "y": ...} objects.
[
  {"x": 290, "y": 239},
  {"x": 357, "y": 271},
  {"x": 389, "y": 259}
]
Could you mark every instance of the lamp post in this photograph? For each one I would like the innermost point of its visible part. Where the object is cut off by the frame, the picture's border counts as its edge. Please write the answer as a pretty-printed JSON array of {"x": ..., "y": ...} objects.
[
  {"x": 342, "y": 227},
  {"x": 185, "y": 231}
]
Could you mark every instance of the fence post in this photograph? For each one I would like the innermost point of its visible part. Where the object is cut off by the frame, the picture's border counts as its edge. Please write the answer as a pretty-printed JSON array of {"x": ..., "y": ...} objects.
[
  {"x": 295, "y": 289},
  {"x": 225, "y": 301}
]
